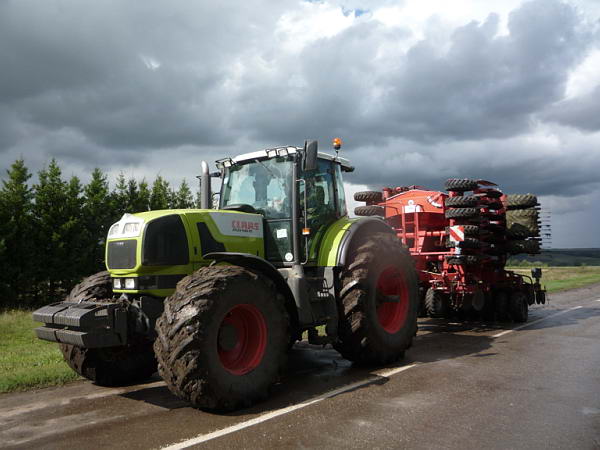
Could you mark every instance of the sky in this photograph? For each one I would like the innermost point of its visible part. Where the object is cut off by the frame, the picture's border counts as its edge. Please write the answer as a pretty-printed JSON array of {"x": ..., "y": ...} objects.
[{"x": 418, "y": 90}]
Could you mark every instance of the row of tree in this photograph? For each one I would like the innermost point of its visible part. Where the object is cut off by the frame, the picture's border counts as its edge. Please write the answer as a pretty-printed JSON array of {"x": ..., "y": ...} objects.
[{"x": 52, "y": 232}]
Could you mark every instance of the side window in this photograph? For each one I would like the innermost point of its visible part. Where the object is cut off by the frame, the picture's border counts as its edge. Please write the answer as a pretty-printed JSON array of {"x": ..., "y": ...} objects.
[
  {"x": 339, "y": 187},
  {"x": 321, "y": 195}
]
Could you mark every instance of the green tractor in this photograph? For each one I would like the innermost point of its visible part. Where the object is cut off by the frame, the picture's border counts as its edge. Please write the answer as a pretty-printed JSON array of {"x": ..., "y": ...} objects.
[{"x": 215, "y": 298}]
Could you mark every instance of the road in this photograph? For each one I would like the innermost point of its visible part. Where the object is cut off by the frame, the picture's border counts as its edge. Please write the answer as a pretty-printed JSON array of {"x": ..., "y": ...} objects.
[{"x": 466, "y": 386}]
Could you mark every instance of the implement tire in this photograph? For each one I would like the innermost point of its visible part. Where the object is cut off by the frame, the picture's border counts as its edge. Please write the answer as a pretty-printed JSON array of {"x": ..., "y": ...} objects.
[
  {"x": 460, "y": 184},
  {"x": 222, "y": 338},
  {"x": 436, "y": 303},
  {"x": 373, "y": 331},
  {"x": 369, "y": 196},
  {"x": 461, "y": 201},
  {"x": 111, "y": 366},
  {"x": 370, "y": 210},
  {"x": 462, "y": 213},
  {"x": 519, "y": 309},
  {"x": 521, "y": 201}
]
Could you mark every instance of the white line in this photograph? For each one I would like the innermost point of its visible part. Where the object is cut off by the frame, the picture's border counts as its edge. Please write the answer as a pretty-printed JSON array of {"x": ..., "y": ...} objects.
[
  {"x": 280, "y": 412},
  {"x": 535, "y": 321}
]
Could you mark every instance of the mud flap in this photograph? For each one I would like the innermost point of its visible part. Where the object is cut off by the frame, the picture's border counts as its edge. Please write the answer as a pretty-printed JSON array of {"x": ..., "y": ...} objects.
[{"x": 86, "y": 324}]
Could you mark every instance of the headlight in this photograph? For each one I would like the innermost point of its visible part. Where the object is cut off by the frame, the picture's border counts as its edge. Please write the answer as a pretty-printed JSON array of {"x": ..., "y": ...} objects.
[
  {"x": 116, "y": 283},
  {"x": 131, "y": 228},
  {"x": 129, "y": 283}
]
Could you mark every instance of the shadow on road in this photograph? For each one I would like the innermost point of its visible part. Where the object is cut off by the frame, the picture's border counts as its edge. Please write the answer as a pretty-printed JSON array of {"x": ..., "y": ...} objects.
[{"x": 313, "y": 370}]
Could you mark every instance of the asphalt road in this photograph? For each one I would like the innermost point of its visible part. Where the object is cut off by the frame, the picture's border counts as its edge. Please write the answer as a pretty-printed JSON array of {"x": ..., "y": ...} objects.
[{"x": 460, "y": 386}]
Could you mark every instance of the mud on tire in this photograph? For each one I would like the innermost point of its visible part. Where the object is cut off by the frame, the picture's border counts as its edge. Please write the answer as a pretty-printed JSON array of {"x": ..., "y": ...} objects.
[
  {"x": 112, "y": 366},
  {"x": 222, "y": 338},
  {"x": 373, "y": 331}
]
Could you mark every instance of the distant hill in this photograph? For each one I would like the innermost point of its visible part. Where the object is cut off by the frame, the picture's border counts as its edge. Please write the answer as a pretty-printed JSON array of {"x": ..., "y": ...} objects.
[{"x": 560, "y": 257}]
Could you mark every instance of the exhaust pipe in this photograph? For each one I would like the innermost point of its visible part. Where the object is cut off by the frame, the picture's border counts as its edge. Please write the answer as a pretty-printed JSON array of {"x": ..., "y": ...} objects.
[{"x": 205, "y": 194}]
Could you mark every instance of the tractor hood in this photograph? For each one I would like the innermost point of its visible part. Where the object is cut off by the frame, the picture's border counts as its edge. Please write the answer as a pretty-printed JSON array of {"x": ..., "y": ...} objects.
[{"x": 151, "y": 251}]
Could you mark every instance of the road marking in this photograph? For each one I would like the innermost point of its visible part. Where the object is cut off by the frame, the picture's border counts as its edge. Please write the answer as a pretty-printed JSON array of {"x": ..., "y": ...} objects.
[
  {"x": 280, "y": 412},
  {"x": 503, "y": 333}
]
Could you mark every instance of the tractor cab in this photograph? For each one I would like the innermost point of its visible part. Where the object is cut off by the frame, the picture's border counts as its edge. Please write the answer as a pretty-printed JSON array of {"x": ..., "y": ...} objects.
[{"x": 298, "y": 191}]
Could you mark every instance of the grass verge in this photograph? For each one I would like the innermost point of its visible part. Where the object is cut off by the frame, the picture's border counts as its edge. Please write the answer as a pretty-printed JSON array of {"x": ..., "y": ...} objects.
[
  {"x": 562, "y": 278},
  {"x": 25, "y": 361}
]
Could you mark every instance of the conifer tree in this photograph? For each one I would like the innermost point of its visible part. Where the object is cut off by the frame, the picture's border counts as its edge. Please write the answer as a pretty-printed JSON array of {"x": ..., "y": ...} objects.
[
  {"x": 17, "y": 252},
  {"x": 183, "y": 197},
  {"x": 50, "y": 212},
  {"x": 143, "y": 200},
  {"x": 161, "y": 194},
  {"x": 97, "y": 216}
]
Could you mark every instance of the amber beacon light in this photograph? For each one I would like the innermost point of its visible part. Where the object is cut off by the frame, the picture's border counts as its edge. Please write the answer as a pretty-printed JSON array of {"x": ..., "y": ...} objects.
[{"x": 337, "y": 143}]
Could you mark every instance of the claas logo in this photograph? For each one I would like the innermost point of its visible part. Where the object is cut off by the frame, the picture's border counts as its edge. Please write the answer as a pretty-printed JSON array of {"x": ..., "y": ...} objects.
[{"x": 244, "y": 226}]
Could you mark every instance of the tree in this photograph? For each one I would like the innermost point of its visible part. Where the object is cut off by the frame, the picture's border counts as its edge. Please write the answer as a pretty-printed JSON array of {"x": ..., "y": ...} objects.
[
  {"x": 183, "y": 198},
  {"x": 51, "y": 212},
  {"x": 17, "y": 252},
  {"x": 98, "y": 215},
  {"x": 119, "y": 197},
  {"x": 143, "y": 201},
  {"x": 161, "y": 197}
]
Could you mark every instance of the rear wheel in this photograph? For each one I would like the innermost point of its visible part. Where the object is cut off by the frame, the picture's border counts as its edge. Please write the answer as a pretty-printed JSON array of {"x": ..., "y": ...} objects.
[
  {"x": 111, "y": 366},
  {"x": 379, "y": 302},
  {"x": 222, "y": 338}
]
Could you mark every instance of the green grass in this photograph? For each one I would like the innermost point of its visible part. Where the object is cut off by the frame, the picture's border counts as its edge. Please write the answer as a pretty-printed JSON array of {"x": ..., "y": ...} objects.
[
  {"x": 563, "y": 278},
  {"x": 25, "y": 361}
]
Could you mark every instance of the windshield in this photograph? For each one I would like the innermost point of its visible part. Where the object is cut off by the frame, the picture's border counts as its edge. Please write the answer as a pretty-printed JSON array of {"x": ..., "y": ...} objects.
[{"x": 265, "y": 185}]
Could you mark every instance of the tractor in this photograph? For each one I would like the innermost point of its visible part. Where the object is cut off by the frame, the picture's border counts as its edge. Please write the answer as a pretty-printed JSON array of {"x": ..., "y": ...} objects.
[{"x": 215, "y": 298}]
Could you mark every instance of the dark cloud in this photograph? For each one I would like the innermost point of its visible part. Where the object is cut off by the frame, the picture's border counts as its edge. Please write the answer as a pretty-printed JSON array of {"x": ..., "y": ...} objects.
[{"x": 153, "y": 86}]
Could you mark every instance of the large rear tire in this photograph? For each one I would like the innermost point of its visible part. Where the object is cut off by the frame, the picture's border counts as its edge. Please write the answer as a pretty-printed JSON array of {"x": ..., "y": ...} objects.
[
  {"x": 112, "y": 366},
  {"x": 379, "y": 302},
  {"x": 222, "y": 338}
]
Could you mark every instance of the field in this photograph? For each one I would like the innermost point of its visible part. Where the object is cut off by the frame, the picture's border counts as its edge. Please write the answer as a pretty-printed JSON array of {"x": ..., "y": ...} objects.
[
  {"x": 26, "y": 362},
  {"x": 561, "y": 278}
]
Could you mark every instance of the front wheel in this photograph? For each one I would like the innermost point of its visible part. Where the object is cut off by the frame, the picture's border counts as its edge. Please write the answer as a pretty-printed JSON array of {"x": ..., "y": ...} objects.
[
  {"x": 222, "y": 338},
  {"x": 379, "y": 302},
  {"x": 112, "y": 366}
]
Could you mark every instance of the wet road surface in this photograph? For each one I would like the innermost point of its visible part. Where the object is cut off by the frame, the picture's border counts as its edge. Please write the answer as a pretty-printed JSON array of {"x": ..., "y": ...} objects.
[{"x": 463, "y": 386}]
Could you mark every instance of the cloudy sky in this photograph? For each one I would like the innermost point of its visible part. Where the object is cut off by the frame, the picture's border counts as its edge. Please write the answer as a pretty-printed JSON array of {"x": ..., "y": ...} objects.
[{"x": 419, "y": 90}]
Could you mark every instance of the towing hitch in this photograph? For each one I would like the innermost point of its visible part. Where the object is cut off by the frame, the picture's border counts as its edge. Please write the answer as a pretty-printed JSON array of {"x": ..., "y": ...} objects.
[{"x": 85, "y": 324}]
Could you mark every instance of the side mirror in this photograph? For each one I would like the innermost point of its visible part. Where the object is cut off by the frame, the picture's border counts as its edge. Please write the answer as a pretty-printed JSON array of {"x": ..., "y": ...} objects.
[
  {"x": 310, "y": 155},
  {"x": 536, "y": 273}
]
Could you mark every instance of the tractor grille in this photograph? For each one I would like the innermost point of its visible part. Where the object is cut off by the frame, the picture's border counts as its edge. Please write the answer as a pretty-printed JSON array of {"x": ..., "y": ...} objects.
[{"x": 121, "y": 254}]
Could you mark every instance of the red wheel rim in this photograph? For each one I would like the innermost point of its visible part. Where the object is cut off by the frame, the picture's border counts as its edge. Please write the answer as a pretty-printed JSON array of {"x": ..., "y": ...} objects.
[
  {"x": 242, "y": 339},
  {"x": 391, "y": 285}
]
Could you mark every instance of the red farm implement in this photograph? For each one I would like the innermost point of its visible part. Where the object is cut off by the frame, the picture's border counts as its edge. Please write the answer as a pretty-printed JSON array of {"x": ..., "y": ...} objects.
[{"x": 460, "y": 241}]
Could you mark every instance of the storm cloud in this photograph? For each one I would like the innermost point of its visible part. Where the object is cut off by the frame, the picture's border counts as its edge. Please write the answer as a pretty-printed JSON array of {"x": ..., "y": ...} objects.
[{"x": 505, "y": 93}]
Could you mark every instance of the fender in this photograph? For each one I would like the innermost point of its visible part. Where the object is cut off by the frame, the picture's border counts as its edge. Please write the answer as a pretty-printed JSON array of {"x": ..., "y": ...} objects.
[
  {"x": 341, "y": 234},
  {"x": 357, "y": 229},
  {"x": 258, "y": 264}
]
